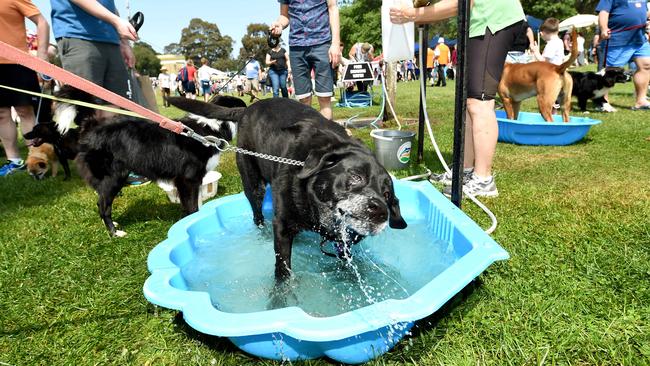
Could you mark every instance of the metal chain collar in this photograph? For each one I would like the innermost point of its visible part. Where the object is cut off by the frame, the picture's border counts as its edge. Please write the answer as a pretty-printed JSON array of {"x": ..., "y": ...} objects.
[{"x": 223, "y": 146}]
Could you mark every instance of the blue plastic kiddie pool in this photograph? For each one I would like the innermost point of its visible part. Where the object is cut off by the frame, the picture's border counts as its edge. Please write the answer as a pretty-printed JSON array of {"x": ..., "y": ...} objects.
[
  {"x": 217, "y": 268},
  {"x": 532, "y": 129}
]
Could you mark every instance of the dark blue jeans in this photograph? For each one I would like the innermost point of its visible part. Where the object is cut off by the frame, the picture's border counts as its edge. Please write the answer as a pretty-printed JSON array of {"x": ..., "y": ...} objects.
[{"x": 279, "y": 82}]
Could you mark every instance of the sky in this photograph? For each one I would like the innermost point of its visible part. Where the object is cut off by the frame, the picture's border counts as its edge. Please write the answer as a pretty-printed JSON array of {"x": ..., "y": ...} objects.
[{"x": 164, "y": 19}]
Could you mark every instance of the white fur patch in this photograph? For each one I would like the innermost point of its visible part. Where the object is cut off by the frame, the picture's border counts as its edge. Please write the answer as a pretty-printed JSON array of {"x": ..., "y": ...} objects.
[
  {"x": 354, "y": 208},
  {"x": 64, "y": 116},
  {"x": 214, "y": 124},
  {"x": 233, "y": 128},
  {"x": 212, "y": 162},
  {"x": 600, "y": 92}
]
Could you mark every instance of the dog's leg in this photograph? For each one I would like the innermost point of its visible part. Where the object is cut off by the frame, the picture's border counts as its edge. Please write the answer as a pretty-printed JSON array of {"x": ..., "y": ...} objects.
[
  {"x": 55, "y": 168},
  {"x": 107, "y": 189},
  {"x": 66, "y": 168},
  {"x": 515, "y": 109},
  {"x": 283, "y": 236},
  {"x": 188, "y": 193},
  {"x": 507, "y": 105},
  {"x": 567, "y": 89},
  {"x": 254, "y": 187},
  {"x": 582, "y": 104},
  {"x": 545, "y": 107}
]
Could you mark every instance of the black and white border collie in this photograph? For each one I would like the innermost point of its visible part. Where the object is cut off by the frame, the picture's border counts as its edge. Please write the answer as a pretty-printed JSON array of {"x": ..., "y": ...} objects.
[
  {"x": 112, "y": 148},
  {"x": 594, "y": 86}
]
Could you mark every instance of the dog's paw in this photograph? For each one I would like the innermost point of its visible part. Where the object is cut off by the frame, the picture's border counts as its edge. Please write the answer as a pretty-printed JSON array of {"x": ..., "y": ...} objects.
[{"x": 120, "y": 233}]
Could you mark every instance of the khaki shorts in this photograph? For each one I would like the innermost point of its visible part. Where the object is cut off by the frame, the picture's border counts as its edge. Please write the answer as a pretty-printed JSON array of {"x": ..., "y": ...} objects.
[{"x": 252, "y": 84}]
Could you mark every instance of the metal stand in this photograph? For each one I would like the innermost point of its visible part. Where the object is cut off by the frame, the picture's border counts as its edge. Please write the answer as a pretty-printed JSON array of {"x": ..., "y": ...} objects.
[
  {"x": 461, "y": 103},
  {"x": 424, "y": 47}
]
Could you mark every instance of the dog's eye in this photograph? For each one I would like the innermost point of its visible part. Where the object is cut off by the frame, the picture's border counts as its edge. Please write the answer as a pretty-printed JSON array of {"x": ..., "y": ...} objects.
[
  {"x": 387, "y": 195},
  {"x": 355, "y": 179}
]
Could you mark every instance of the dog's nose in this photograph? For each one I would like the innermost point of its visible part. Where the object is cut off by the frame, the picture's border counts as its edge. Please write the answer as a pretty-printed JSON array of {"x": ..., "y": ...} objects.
[{"x": 377, "y": 208}]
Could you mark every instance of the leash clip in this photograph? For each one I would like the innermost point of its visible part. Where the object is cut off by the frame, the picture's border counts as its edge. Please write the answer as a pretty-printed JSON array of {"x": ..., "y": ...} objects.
[{"x": 207, "y": 141}]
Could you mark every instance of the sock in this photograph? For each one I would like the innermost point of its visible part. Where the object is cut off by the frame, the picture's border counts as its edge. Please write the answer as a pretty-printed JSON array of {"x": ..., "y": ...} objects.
[
  {"x": 483, "y": 179},
  {"x": 468, "y": 170}
]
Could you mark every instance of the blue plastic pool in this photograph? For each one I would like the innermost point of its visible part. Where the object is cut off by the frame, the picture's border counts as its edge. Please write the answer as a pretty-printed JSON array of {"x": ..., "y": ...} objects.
[
  {"x": 204, "y": 267},
  {"x": 531, "y": 129}
]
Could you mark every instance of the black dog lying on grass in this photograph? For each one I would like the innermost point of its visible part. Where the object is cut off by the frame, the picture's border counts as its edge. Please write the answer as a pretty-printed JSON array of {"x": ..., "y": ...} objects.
[
  {"x": 592, "y": 85},
  {"x": 341, "y": 192},
  {"x": 110, "y": 149}
]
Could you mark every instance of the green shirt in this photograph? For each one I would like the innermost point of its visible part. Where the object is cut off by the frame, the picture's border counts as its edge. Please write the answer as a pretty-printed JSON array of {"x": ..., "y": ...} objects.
[{"x": 494, "y": 14}]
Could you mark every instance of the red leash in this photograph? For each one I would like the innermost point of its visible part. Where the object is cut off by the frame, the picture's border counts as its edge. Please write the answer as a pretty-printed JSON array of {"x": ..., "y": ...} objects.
[
  {"x": 632, "y": 27},
  {"x": 22, "y": 58}
]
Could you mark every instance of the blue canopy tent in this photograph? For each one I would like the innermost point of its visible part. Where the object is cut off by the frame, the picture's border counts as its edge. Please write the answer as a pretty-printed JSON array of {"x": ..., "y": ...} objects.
[{"x": 534, "y": 23}]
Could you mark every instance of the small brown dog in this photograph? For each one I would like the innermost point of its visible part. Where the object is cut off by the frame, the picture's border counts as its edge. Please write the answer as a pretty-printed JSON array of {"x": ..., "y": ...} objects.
[
  {"x": 542, "y": 79},
  {"x": 40, "y": 159}
]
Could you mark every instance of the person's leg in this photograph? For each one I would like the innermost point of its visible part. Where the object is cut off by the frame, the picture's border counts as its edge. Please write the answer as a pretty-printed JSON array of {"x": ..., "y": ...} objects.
[
  {"x": 319, "y": 58},
  {"x": 301, "y": 69},
  {"x": 27, "y": 119},
  {"x": 275, "y": 82},
  {"x": 282, "y": 80},
  {"x": 641, "y": 79},
  {"x": 485, "y": 132},
  {"x": 8, "y": 134}
]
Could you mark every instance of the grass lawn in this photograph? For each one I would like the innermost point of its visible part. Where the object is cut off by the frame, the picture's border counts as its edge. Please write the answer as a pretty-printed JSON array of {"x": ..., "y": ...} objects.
[{"x": 576, "y": 290}]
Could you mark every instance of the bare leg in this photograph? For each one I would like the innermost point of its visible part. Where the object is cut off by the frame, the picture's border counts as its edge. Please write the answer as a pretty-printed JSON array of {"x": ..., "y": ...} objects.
[
  {"x": 641, "y": 79},
  {"x": 8, "y": 134},
  {"x": 485, "y": 132},
  {"x": 325, "y": 106}
]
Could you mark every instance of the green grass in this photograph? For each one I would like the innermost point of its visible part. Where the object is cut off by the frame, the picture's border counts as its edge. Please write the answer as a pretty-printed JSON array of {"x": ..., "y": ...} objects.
[{"x": 575, "y": 291}]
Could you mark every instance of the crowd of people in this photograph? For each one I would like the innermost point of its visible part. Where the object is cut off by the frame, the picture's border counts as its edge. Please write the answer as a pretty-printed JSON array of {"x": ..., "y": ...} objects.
[{"x": 94, "y": 42}]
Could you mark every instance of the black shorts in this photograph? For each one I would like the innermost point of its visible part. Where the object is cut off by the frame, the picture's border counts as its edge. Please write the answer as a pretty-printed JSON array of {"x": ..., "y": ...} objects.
[
  {"x": 20, "y": 77},
  {"x": 486, "y": 56}
]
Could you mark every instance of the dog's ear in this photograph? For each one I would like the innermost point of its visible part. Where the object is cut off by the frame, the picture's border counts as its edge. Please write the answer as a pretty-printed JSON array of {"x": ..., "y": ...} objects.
[
  {"x": 395, "y": 219},
  {"x": 318, "y": 160}
]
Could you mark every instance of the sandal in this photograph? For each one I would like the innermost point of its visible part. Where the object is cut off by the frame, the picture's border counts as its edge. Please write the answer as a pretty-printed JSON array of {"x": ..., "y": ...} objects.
[{"x": 643, "y": 107}]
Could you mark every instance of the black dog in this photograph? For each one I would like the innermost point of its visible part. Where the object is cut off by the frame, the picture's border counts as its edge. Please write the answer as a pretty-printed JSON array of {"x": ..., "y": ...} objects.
[
  {"x": 110, "y": 149},
  {"x": 591, "y": 85},
  {"x": 341, "y": 192},
  {"x": 228, "y": 101},
  {"x": 66, "y": 146}
]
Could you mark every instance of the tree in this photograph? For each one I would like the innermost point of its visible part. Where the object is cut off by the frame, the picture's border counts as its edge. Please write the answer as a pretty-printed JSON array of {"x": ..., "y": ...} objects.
[
  {"x": 361, "y": 22},
  {"x": 254, "y": 42},
  {"x": 203, "y": 39},
  {"x": 146, "y": 61},
  {"x": 173, "y": 49}
]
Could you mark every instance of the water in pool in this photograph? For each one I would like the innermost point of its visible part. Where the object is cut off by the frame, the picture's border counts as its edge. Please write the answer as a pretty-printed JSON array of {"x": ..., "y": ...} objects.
[{"x": 236, "y": 268}]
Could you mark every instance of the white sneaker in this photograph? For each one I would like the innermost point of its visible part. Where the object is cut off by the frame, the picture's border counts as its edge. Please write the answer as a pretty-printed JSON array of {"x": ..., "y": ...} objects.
[
  {"x": 445, "y": 178},
  {"x": 477, "y": 187}
]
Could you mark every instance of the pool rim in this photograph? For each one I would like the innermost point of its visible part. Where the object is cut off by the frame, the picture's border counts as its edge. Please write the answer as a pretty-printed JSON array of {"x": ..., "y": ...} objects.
[{"x": 200, "y": 314}]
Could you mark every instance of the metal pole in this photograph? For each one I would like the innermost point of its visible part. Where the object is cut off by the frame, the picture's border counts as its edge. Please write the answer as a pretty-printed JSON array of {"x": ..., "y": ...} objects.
[
  {"x": 424, "y": 47},
  {"x": 461, "y": 103}
]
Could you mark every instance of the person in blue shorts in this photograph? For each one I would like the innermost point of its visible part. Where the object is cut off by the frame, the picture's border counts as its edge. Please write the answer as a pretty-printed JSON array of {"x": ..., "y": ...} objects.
[
  {"x": 622, "y": 26},
  {"x": 313, "y": 45}
]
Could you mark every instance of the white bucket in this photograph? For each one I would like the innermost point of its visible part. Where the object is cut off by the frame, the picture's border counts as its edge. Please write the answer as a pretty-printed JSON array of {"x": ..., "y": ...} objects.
[
  {"x": 398, "y": 40},
  {"x": 208, "y": 188}
]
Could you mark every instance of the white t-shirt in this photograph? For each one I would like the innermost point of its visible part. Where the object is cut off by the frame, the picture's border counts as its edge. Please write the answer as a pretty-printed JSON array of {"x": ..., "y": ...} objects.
[
  {"x": 581, "y": 44},
  {"x": 164, "y": 80},
  {"x": 205, "y": 71},
  {"x": 554, "y": 51}
]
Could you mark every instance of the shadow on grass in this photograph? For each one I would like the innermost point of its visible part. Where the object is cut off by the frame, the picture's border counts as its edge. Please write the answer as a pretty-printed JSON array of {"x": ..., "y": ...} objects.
[
  {"x": 22, "y": 191},
  {"x": 219, "y": 344},
  {"x": 425, "y": 325}
]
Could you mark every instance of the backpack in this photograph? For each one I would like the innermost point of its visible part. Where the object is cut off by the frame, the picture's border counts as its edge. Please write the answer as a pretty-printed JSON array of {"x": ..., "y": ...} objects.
[{"x": 182, "y": 75}]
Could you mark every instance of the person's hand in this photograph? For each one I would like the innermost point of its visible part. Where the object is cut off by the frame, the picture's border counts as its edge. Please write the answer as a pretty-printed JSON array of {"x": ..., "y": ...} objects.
[
  {"x": 605, "y": 33},
  {"x": 276, "y": 29},
  {"x": 125, "y": 30},
  {"x": 403, "y": 14},
  {"x": 335, "y": 54},
  {"x": 534, "y": 47},
  {"x": 127, "y": 53}
]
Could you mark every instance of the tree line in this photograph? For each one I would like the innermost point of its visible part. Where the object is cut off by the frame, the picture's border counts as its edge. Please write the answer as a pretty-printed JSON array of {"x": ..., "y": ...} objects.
[{"x": 360, "y": 22}]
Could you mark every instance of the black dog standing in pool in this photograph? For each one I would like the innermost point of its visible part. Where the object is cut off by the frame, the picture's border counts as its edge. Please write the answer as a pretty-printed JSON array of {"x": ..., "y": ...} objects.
[{"x": 341, "y": 192}]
